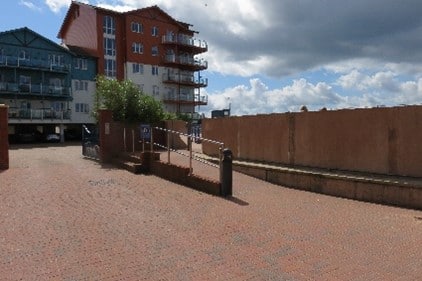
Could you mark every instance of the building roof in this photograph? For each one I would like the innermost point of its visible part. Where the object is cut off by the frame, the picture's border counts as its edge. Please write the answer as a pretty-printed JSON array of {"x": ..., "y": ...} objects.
[
  {"x": 75, "y": 4},
  {"x": 83, "y": 52},
  {"x": 35, "y": 34}
]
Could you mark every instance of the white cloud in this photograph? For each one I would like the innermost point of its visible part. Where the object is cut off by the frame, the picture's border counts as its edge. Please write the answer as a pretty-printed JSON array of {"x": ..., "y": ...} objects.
[
  {"x": 257, "y": 98},
  {"x": 30, "y": 5},
  {"x": 57, "y": 5}
]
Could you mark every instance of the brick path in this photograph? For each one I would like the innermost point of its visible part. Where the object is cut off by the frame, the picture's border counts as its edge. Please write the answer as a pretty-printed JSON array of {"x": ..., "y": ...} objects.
[{"x": 63, "y": 217}]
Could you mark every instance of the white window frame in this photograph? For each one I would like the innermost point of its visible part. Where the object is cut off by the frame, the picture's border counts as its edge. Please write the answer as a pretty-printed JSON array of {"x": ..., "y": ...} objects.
[
  {"x": 138, "y": 68},
  {"x": 154, "y": 69},
  {"x": 137, "y": 48},
  {"x": 109, "y": 25},
  {"x": 154, "y": 31},
  {"x": 109, "y": 46},
  {"x": 137, "y": 27}
]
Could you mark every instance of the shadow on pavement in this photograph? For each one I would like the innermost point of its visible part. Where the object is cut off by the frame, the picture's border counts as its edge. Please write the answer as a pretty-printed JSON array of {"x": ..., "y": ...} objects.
[{"x": 237, "y": 201}]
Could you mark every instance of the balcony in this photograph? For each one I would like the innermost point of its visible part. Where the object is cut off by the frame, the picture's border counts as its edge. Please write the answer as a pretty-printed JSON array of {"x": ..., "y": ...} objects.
[
  {"x": 186, "y": 99},
  {"x": 33, "y": 90},
  {"x": 187, "y": 63},
  {"x": 38, "y": 64},
  {"x": 186, "y": 43},
  {"x": 187, "y": 80},
  {"x": 38, "y": 114}
]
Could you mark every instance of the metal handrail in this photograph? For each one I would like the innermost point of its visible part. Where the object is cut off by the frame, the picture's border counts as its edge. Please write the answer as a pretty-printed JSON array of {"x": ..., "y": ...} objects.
[{"x": 190, "y": 138}]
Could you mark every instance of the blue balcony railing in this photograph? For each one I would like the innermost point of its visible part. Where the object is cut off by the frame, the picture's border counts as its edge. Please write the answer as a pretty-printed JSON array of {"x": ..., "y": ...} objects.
[
  {"x": 34, "y": 89},
  {"x": 13, "y": 61}
]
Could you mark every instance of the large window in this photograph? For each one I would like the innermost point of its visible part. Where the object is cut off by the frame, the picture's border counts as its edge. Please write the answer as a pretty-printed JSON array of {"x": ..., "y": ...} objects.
[
  {"x": 110, "y": 68},
  {"x": 110, "y": 46},
  {"x": 137, "y": 48},
  {"x": 137, "y": 27},
  {"x": 109, "y": 25},
  {"x": 154, "y": 70}
]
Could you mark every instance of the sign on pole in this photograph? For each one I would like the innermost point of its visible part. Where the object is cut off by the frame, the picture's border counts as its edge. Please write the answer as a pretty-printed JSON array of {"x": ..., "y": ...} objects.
[{"x": 145, "y": 132}]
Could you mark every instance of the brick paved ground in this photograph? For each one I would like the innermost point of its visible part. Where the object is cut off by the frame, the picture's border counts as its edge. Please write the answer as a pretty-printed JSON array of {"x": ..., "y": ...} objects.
[{"x": 66, "y": 218}]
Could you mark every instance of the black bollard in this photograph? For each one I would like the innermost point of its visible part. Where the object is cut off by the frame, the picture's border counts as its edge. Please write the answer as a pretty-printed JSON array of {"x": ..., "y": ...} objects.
[{"x": 226, "y": 173}]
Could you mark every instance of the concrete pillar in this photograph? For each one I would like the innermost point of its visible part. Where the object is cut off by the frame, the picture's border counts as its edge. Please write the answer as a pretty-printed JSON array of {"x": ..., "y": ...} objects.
[{"x": 4, "y": 137}]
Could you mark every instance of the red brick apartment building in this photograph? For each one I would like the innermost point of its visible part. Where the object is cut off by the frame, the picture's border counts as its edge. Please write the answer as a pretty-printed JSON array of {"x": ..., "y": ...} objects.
[{"x": 147, "y": 46}]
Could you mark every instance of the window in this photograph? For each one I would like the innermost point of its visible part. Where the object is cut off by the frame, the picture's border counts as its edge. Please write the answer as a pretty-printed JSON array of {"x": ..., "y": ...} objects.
[
  {"x": 109, "y": 25},
  {"x": 110, "y": 46},
  {"x": 138, "y": 68},
  {"x": 56, "y": 60},
  {"x": 82, "y": 107},
  {"x": 57, "y": 106},
  {"x": 154, "y": 31},
  {"x": 137, "y": 27},
  {"x": 154, "y": 51},
  {"x": 154, "y": 70},
  {"x": 81, "y": 85},
  {"x": 137, "y": 48},
  {"x": 110, "y": 68},
  {"x": 155, "y": 90},
  {"x": 23, "y": 55},
  {"x": 81, "y": 64}
]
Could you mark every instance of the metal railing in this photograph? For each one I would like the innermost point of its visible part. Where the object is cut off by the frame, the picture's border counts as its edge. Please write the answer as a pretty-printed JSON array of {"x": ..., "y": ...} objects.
[
  {"x": 38, "y": 114},
  {"x": 35, "y": 89},
  {"x": 190, "y": 154},
  {"x": 46, "y": 64}
]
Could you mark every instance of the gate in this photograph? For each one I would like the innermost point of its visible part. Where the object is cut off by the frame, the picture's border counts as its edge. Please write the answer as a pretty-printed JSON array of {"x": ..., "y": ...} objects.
[{"x": 90, "y": 143}]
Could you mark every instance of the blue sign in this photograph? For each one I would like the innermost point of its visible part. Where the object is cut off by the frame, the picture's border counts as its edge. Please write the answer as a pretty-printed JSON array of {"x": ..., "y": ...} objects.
[{"x": 145, "y": 131}]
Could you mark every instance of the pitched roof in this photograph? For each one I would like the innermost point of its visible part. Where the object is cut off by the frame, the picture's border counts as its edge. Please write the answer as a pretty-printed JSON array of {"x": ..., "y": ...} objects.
[
  {"x": 35, "y": 34},
  {"x": 75, "y": 4}
]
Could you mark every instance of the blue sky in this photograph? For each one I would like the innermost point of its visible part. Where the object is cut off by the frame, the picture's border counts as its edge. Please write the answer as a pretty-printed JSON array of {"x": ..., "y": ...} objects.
[{"x": 278, "y": 55}]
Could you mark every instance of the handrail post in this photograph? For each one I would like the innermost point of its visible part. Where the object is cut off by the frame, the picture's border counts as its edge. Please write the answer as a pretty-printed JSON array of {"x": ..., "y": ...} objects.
[
  {"x": 190, "y": 154},
  {"x": 124, "y": 139},
  {"x": 168, "y": 146},
  {"x": 152, "y": 142},
  {"x": 133, "y": 141}
]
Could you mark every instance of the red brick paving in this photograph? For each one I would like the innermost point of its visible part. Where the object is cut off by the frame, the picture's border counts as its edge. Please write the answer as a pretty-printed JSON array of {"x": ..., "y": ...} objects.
[{"x": 63, "y": 217}]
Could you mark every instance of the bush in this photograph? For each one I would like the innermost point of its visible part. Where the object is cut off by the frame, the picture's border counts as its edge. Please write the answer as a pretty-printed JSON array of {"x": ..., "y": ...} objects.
[{"x": 127, "y": 102}]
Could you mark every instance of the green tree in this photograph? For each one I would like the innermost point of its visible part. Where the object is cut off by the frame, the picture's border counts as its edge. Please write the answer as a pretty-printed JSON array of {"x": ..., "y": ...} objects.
[{"x": 126, "y": 101}]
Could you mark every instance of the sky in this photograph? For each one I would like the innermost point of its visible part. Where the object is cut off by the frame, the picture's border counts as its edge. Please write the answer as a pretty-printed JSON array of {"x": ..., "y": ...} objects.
[{"x": 275, "y": 56}]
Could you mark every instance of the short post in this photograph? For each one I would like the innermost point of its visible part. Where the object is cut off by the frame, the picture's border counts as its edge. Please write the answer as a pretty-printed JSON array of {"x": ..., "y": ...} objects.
[
  {"x": 226, "y": 173},
  {"x": 168, "y": 146},
  {"x": 133, "y": 141},
  {"x": 190, "y": 154}
]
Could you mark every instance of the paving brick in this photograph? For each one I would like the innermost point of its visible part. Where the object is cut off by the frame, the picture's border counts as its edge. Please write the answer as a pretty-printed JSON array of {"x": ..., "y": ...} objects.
[{"x": 63, "y": 217}]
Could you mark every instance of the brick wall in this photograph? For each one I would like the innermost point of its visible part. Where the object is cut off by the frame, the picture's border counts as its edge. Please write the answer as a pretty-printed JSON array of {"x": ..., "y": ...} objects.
[{"x": 4, "y": 138}]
